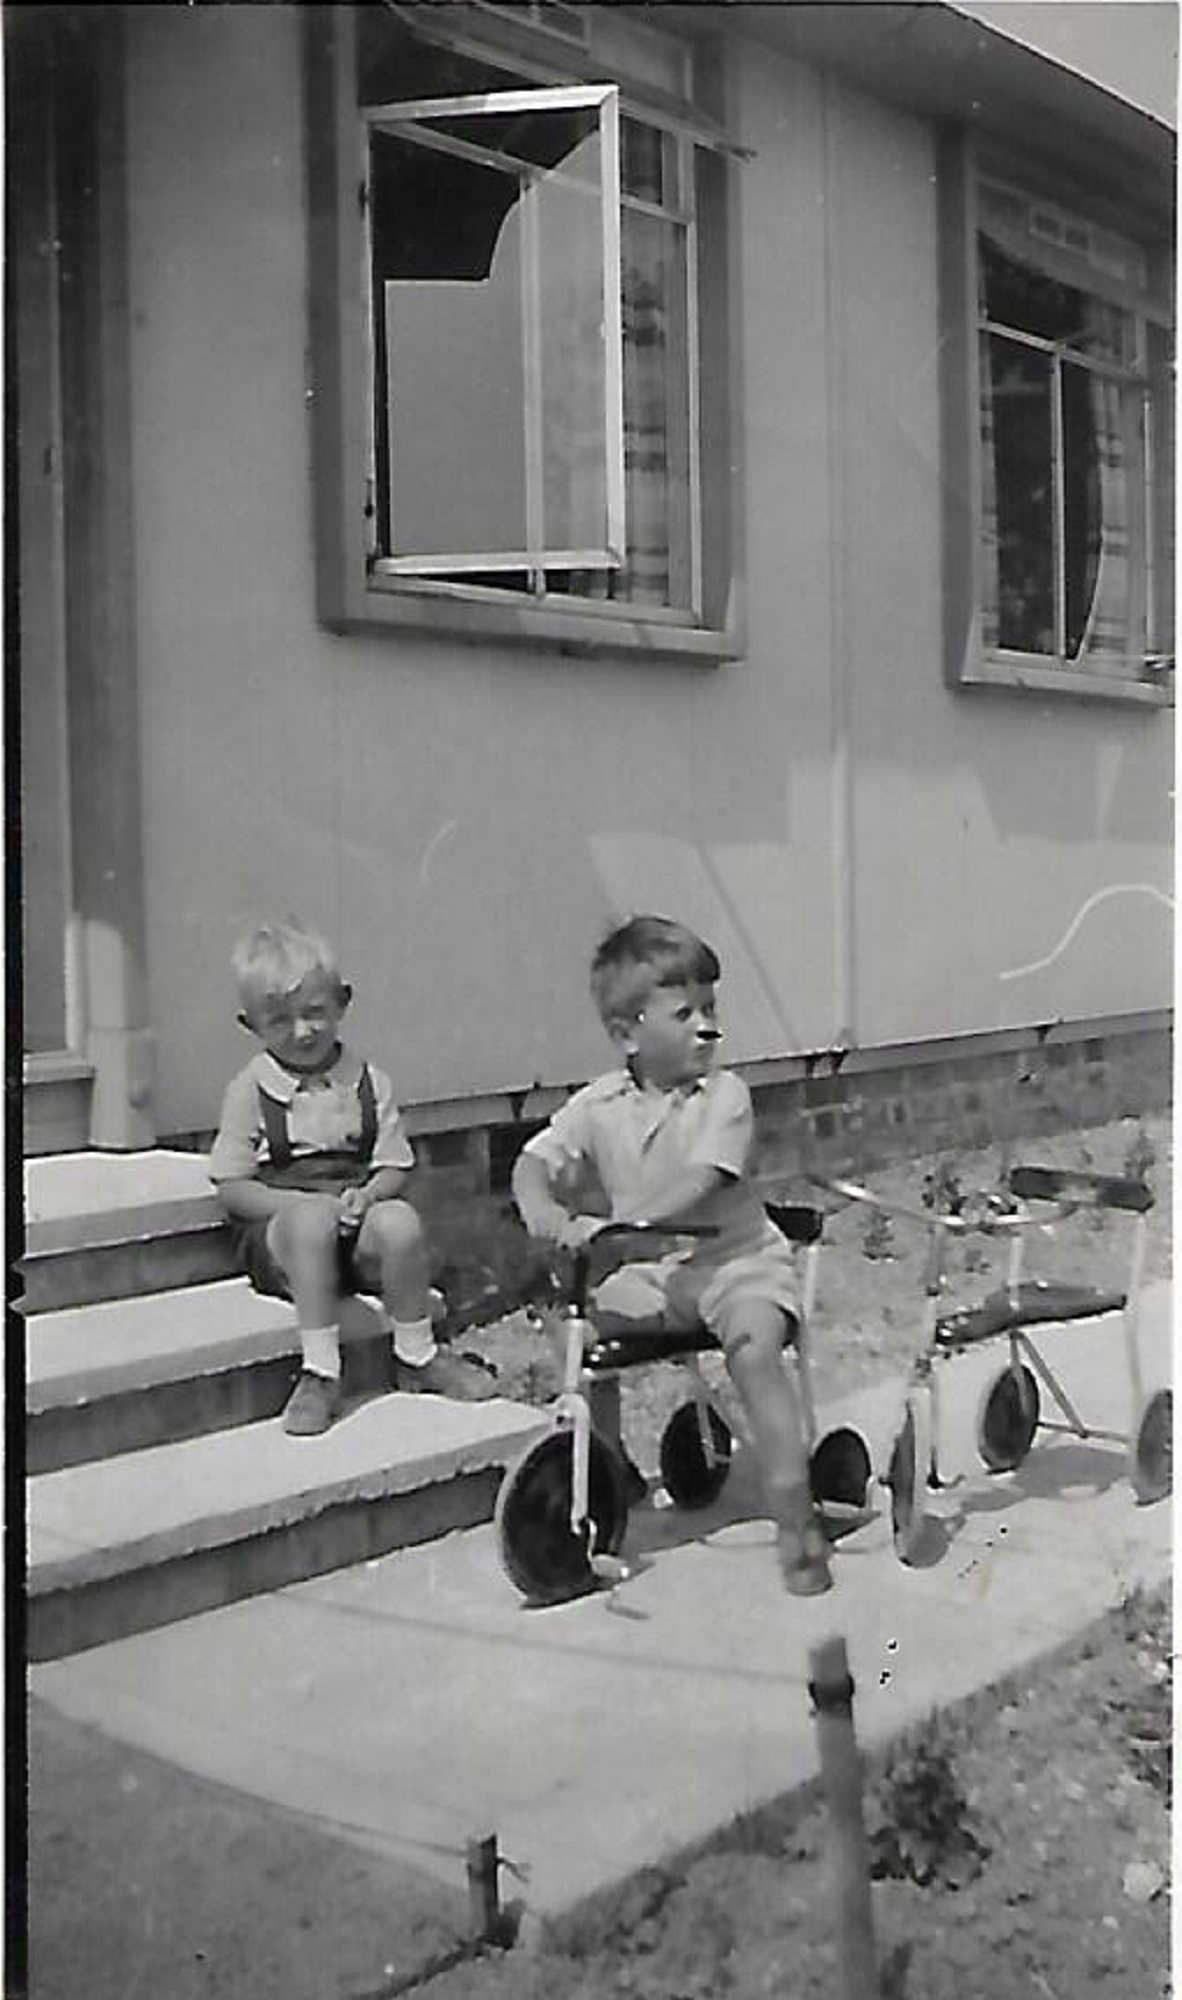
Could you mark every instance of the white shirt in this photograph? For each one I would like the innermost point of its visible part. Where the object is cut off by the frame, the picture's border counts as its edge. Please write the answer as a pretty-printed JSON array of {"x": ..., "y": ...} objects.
[
  {"x": 323, "y": 1116},
  {"x": 640, "y": 1141}
]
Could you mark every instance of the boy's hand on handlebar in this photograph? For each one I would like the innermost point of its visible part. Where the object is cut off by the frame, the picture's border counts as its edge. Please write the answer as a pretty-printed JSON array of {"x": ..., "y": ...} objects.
[{"x": 578, "y": 1230}]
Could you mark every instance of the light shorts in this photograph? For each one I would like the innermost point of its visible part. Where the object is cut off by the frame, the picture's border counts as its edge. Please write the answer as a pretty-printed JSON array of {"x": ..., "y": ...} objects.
[{"x": 680, "y": 1294}]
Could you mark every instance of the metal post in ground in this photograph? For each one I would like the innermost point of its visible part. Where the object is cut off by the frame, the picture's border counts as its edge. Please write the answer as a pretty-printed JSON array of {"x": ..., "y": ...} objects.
[
  {"x": 484, "y": 1902},
  {"x": 832, "y": 1693}
]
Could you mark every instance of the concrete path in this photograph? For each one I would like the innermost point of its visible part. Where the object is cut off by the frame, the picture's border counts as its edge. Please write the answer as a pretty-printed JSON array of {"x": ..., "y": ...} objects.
[{"x": 413, "y": 1702}]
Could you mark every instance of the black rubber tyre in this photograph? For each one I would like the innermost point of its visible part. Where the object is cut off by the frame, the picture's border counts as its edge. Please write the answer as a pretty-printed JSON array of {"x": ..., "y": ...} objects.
[
  {"x": 839, "y": 1469},
  {"x": 539, "y": 1552},
  {"x": 1152, "y": 1469},
  {"x": 907, "y": 1477},
  {"x": 693, "y": 1478},
  {"x": 1008, "y": 1418}
]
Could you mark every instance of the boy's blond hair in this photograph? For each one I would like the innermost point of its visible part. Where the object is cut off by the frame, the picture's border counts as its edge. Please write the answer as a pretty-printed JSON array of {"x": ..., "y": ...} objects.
[
  {"x": 645, "y": 953},
  {"x": 273, "y": 959}
]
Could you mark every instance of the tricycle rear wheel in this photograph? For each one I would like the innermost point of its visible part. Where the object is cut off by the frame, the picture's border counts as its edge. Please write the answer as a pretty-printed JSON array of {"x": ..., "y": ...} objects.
[
  {"x": 1152, "y": 1470},
  {"x": 694, "y": 1468},
  {"x": 1008, "y": 1417}
]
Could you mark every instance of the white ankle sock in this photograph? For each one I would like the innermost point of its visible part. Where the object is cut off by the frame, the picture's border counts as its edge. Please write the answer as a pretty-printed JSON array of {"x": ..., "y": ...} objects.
[
  {"x": 414, "y": 1341},
  {"x": 322, "y": 1351}
]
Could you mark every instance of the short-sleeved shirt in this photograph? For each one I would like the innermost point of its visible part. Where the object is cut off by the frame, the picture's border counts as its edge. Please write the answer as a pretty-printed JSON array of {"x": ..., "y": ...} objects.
[
  {"x": 639, "y": 1141},
  {"x": 323, "y": 1116}
]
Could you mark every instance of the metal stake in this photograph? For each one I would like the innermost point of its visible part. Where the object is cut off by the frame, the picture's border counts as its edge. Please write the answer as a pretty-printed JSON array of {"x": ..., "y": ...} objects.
[{"x": 832, "y": 1693}]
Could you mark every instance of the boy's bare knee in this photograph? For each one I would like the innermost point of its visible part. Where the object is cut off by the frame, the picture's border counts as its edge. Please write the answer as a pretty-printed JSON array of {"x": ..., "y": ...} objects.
[
  {"x": 756, "y": 1345},
  {"x": 307, "y": 1228},
  {"x": 392, "y": 1228}
]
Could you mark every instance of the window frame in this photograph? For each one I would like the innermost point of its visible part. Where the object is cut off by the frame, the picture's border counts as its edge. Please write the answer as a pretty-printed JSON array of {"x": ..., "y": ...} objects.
[
  {"x": 969, "y": 662},
  {"x": 604, "y": 99},
  {"x": 355, "y": 593}
]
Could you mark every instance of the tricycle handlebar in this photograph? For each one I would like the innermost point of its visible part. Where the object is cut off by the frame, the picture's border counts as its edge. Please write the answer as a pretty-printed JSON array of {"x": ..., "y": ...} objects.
[
  {"x": 994, "y": 1222},
  {"x": 611, "y": 1232}
]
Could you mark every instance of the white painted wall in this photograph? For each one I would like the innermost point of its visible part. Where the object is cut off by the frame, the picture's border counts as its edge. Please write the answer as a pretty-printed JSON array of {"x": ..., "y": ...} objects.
[{"x": 466, "y": 819}]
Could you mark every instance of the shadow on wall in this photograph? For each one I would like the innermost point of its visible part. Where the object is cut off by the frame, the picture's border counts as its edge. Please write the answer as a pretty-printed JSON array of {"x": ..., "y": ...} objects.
[{"x": 1110, "y": 786}]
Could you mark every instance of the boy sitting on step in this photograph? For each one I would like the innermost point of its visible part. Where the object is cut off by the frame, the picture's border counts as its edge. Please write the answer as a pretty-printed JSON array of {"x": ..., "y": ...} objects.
[
  {"x": 309, "y": 1160},
  {"x": 670, "y": 1137}
]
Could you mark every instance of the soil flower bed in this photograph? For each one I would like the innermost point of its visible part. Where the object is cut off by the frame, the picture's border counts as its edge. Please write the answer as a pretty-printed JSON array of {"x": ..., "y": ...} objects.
[{"x": 1020, "y": 1846}]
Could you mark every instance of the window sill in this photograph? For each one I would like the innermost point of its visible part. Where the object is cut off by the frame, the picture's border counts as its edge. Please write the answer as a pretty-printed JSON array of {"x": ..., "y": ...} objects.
[
  {"x": 389, "y": 605},
  {"x": 1031, "y": 677}
]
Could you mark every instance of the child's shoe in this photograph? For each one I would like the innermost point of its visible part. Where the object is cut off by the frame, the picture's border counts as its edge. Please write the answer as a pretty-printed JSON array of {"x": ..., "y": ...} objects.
[
  {"x": 313, "y": 1406},
  {"x": 446, "y": 1374},
  {"x": 803, "y": 1552}
]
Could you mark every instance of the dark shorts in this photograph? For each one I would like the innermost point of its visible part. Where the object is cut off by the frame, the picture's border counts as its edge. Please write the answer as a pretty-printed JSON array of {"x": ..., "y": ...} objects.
[{"x": 250, "y": 1245}]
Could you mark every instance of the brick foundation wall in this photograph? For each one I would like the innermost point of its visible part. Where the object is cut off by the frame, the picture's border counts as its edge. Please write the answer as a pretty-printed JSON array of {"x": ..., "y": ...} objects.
[{"x": 866, "y": 1118}]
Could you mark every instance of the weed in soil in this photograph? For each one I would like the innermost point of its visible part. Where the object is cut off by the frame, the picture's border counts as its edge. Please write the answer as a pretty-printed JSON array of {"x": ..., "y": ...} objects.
[{"x": 919, "y": 1825}]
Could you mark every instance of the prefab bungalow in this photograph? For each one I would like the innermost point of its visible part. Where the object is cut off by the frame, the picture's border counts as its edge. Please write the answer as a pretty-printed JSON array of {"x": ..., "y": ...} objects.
[{"x": 480, "y": 470}]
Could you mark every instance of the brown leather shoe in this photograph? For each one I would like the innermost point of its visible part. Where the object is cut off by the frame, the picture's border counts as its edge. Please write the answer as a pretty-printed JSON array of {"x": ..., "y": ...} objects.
[
  {"x": 313, "y": 1406},
  {"x": 446, "y": 1374}
]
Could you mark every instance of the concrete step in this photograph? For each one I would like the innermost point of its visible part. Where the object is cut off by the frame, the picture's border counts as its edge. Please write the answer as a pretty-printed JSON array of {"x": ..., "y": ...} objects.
[
  {"x": 125, "y": 1544},
  {"x": 129, "y": 1373},
  {"x": 114, "y": 1225}
]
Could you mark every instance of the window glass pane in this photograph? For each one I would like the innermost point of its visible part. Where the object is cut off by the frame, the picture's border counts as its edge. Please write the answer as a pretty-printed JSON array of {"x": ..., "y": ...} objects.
[
  {"x": 1101, "y": 432},
  {"x": 491, "y": 364},
  {"x": 570, "y": 322},
  {"x": 1018, "y": 524},
  {"x": 448, "y": 262},
  {"x": 1017, "y": 295},
  {"x": 657, "y": 477},
  {"x": 656, "y": 420},
  {"x": 642, "y": 161}
]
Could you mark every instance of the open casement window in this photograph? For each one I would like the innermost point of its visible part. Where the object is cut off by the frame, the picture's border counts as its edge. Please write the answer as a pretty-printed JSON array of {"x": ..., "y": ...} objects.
[
  {"x": 1069, "y": 463},
  {"x": 494, "y": 227},
  {"x": 516, "y": 280}
]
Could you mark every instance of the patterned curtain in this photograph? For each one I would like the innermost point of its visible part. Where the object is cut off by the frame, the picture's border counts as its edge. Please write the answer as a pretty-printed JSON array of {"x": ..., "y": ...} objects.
[
  {"x": 1107, "y": 620},
  {"x": 990, "y": 580}
]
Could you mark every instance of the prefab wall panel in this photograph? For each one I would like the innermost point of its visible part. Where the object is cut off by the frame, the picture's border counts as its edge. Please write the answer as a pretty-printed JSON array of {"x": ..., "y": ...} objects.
[{"x": 866, "y": 848}]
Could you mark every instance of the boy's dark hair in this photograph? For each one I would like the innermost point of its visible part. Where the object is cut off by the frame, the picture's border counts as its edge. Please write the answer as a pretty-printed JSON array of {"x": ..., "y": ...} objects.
[{"x": 645, "y": 953}]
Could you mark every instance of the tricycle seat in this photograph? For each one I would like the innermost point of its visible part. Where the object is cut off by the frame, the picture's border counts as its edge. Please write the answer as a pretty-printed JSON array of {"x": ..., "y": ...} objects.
[
  {"x": 1035, "y": 1302},
  {"x": 639, "y": 1346},
  {"x": 1069, "y": 1184}
]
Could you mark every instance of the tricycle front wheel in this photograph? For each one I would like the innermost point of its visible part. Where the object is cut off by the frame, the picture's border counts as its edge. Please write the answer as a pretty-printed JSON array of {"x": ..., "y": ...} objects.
[
  {"x": 541, "y": 1552},
  {"x": 907, "y": 1476}
]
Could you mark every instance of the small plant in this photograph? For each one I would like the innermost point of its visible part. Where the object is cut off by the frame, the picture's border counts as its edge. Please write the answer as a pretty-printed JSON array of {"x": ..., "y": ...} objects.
[
  {"x": 878, "y": 1243},
  {"x": 1096, "y": 1219},
  {"x": 942, "y": 1189},
  {"x": 919, "y": 1825},
  {"x": 1141, "y": 1157}
]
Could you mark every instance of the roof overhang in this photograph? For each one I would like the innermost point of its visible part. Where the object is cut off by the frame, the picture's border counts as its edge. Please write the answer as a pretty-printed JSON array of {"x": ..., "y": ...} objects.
[{"x": 930, "y": 58}]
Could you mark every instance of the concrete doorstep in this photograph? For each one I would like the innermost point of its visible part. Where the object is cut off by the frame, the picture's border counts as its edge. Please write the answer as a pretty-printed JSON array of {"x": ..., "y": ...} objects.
[
  {"x": 124, "y": 1543},
  {"x": 405, "y": 1704}
]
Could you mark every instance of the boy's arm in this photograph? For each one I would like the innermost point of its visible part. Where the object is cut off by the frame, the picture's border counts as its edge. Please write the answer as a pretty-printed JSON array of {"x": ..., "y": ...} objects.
[
  {"x": 248, "y": 1199},
  {"x": 543, "y": 1215},
  {"x": 393, "y": 1156}
]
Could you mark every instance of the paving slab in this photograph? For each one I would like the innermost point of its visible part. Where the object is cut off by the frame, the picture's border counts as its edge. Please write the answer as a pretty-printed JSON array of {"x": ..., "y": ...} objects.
[{"x": 412, "y": 1701}]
